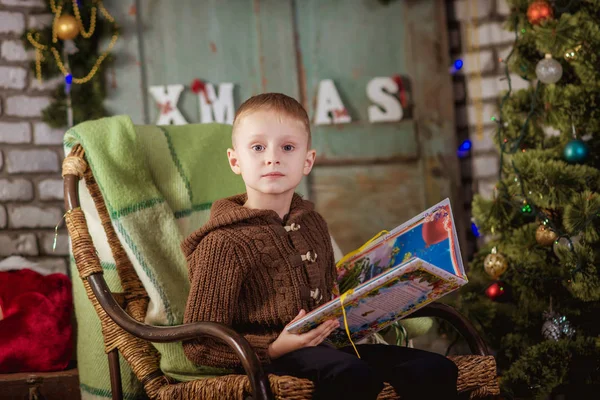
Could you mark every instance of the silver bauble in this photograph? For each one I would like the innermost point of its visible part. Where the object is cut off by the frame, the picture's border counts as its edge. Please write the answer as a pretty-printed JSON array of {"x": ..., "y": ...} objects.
[{"x": 548, "y": 70}]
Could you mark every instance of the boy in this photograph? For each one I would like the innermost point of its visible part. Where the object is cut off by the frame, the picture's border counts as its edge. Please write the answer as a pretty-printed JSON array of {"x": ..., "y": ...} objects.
[{"x": 266, "y": 254}]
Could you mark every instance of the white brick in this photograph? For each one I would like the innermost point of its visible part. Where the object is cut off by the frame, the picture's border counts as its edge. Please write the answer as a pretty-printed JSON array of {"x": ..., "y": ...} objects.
[
  {"x": 463, "y": 13},
  {"x": 15, "y": 189},
  {"x": 492, "y": 87},
  {"x": 27, "y": 106},
  {"x": 485, "y": 166},
  {"x": 502, "y": 7},
  {"x": 13, "y": 77},
  {"x": 62, "y": 244},
  {"x": 11, "y": 22},
  {"x": 15, "y": 132},
  {"x": 44, "y": 134},
  {"x": 45, "y": 84},
  {"x": 482, "y": 61},
  {"x": 484, "y": 143},
  {"x": 53, "y": 264},
  {"x": 13, "y": 50},
  {"x": 24, "y": 3},
  {"x": 494, "y": 33},
  {"x": 487, "y": 112},
  {"x": 32, "y": 161},
  {"x": 2, "y": 217},
  {"x": 486, "y": 188},
  {"x": 22, "y": 244},
  {"x": 33, "y": 217},
  {"x": 51, "y": 189},
  {"x": 39, "y": 21}
]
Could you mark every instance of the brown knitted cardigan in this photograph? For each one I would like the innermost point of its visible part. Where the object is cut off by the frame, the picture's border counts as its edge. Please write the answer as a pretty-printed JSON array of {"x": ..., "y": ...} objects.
[{"x": 254, "y": 272}]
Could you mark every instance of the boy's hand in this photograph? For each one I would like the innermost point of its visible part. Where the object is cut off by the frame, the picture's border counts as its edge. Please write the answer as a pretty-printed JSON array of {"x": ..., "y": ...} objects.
[{"x": 287, "y": 342}]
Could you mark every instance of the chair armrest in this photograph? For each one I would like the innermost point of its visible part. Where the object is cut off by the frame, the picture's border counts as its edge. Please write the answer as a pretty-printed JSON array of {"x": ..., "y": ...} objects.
[
  {"x": 164, "y": 334},
  {"x": 459, "y": 322}
]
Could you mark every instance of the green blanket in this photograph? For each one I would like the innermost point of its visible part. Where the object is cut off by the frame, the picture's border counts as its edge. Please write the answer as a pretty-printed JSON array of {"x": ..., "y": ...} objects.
[{"x": 158, "y": 184}]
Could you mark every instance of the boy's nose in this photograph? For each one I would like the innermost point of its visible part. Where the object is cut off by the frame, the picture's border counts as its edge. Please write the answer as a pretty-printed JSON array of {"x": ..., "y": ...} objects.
[{"x": 272, "y": 161}]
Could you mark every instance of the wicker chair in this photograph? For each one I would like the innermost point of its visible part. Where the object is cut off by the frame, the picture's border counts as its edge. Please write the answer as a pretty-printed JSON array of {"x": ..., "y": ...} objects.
[{"x": 122, "y": 316}]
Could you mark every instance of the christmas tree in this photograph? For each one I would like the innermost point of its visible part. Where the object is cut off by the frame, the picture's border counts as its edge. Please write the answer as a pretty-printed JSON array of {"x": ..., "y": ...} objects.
[{"x": 534, "y": 284}]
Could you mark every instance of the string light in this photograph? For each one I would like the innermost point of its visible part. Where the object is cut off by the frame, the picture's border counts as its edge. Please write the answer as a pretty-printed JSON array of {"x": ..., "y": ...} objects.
[{"x": 464, "y": 148}]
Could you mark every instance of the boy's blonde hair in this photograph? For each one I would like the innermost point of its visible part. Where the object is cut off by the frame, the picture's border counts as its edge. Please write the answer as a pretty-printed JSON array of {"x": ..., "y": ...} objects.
[{"x": 277, "y": 102}]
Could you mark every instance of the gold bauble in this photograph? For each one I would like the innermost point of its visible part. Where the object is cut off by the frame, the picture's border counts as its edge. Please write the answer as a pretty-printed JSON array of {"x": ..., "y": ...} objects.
[
  {"x": 495, "y": 264},
  {"x": 572, "y": 54},
  {"x": 545, "y": 236},
  {"x": 67, "y": 27}
]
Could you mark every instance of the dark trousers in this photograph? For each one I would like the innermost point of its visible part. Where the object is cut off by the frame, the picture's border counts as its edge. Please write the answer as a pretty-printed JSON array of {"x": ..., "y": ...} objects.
[{"x": 340, "y": 374}]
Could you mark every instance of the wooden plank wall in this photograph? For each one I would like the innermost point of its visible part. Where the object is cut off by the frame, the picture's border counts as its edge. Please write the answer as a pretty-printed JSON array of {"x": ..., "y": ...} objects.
[{"x": 369, "y": 176}]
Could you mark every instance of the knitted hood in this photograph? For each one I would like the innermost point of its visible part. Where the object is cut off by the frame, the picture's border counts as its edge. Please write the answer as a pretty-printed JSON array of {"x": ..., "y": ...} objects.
[{"x": 231, "y": 211}]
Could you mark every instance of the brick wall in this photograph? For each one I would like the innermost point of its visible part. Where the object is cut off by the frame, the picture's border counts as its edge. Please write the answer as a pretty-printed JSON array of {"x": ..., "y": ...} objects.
[
  {"x": 480, "y": 169},
  {"x": 30, "y": 151}
]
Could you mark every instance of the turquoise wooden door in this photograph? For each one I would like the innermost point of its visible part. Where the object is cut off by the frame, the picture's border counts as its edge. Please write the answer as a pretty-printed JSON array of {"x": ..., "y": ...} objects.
[{"x": 369, "y": 176}]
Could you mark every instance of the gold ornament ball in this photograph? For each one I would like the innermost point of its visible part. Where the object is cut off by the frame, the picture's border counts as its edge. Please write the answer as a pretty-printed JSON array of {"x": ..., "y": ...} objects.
[
  {"x": 495, "y": 264},
  {"x": 66, "y": 27},
  {"x": 545, "y": 236}
]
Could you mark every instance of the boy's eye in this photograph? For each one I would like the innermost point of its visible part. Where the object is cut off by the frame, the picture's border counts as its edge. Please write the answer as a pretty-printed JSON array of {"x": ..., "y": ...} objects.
[
  {"x": 258, "y": 147},
  {"x": 288, "y": 147}
]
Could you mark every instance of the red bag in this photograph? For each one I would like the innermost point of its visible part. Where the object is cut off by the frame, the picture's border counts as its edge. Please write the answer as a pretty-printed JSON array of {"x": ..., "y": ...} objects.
[{"x": 36, "y": 331}]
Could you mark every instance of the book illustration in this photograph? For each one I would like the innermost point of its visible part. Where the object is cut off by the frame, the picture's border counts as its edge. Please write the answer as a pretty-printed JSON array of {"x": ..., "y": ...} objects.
[{"x": 392, "y": 276}]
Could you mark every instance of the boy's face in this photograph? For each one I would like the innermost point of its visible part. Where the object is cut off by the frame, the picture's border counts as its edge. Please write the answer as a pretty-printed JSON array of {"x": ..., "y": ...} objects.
[{"x": 271, "y": 152}]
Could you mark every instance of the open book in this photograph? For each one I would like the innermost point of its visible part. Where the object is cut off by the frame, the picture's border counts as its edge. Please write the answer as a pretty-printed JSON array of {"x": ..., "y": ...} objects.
[{"x": 392, "y": 276}]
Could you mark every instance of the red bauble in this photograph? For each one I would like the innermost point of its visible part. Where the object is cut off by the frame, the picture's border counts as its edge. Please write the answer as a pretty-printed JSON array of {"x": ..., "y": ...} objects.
[
  {"x": 435, "y": 231},
  {"x": 539, "y": 11},
  {"x": 497, "y": 291}
]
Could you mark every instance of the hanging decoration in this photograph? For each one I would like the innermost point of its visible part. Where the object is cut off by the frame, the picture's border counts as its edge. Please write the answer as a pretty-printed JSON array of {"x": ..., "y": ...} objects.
[
  {"x": 545, "y": 236},
  {"x": 67, "y": 27},
  {"x": 498, "y": 291},
  {"x": 548, "y": 70},
  {"x": 538, "y": 12},
  {"x": 556, "y": 327},
  {"x": 576, "y": 151},
  {"x": 495, "y": 264}
]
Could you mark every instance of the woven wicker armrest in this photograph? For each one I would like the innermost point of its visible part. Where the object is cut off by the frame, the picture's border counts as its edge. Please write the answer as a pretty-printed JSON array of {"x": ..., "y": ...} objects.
[
  {"x": 459, "y": 322},
  {"x": 162, "y": 334}
]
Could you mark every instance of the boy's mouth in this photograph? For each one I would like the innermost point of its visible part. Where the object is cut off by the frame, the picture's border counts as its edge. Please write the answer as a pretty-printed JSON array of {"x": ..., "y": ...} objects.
[{"x": 273, "y": 174}]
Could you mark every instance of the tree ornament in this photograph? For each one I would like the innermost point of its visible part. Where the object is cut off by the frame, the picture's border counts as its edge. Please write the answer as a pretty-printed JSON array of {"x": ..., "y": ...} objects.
[
  {"x": 545, "y": 236},
  {"x": 556, "y": 327},
  {"x": 498, "y": 291},
  {"x": 565, "y": 244},
  {"x": 576, "y": 151},
  {"x": 66, "y": 27},
  {"x": 495, "y": 264},
  {"x": 572, "y": 54},
  {"x": 548, "y": 70},
  {"x": 539, "y": 11}
]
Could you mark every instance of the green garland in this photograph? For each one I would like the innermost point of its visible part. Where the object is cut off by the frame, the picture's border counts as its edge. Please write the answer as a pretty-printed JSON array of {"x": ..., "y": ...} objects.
[{"x": 86, "y": 99}]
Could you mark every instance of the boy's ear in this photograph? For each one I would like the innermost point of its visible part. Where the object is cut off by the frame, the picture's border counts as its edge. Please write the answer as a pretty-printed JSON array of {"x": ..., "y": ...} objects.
[
  {"x": 233, "y": 161},
  {"x": 309, "y": 161}
]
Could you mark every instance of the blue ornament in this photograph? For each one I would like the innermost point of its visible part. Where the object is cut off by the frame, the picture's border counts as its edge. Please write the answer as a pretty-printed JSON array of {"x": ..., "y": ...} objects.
[
  {"x": 68, "y": 79},
  {"x": 576, "y": 151}
]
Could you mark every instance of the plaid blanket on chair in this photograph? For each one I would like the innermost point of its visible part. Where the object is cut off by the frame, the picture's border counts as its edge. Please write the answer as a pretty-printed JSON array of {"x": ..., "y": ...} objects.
[{"x": 158, "y": 183}]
